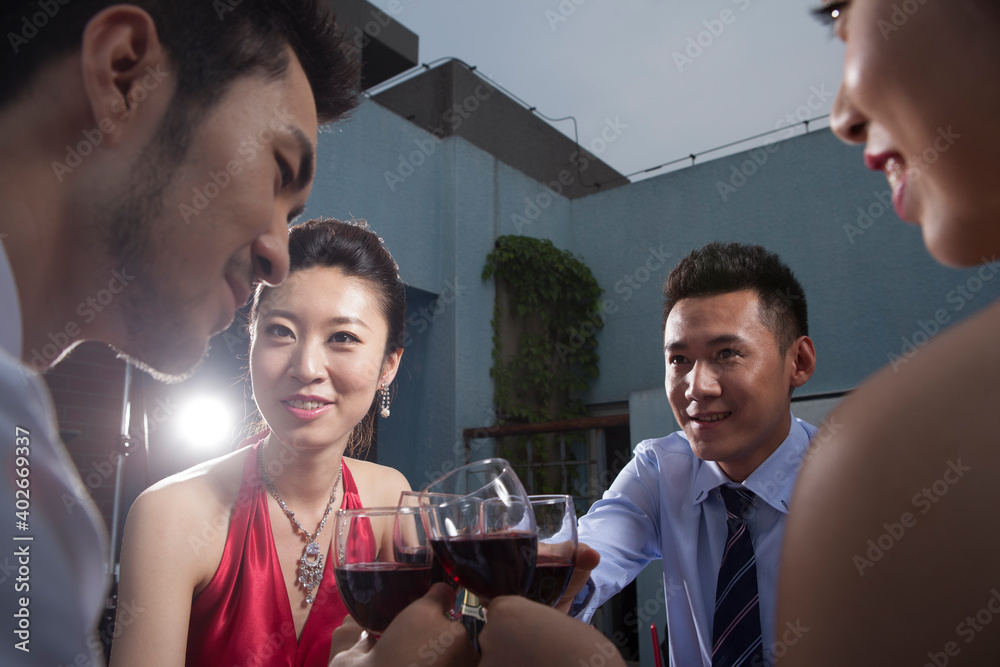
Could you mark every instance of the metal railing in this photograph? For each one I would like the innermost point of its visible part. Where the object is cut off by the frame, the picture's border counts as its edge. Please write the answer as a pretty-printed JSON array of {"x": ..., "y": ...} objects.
[{"x": 567, "y": 456}]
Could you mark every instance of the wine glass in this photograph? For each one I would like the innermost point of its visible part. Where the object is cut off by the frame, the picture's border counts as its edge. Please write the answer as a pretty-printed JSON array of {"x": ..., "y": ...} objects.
[
  {"x": 482, "y": 529},
  {"x": 555, "y": 516},
  {"x": 376, "y": 586},
  {"x": 412, "y": 499}
]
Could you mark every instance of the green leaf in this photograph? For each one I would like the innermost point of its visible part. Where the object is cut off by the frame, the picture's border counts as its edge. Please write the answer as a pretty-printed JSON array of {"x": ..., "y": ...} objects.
[{"x": 555, "y": 304}]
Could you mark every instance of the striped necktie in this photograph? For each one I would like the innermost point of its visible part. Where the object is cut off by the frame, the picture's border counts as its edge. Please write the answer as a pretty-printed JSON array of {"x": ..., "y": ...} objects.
[{"x": 736, "y": 630}]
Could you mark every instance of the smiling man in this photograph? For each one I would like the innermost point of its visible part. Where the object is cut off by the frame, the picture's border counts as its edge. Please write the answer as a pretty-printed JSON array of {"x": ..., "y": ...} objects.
[
  {"x": 711, "y": 499},
  {"x": 152, "y": 154}
]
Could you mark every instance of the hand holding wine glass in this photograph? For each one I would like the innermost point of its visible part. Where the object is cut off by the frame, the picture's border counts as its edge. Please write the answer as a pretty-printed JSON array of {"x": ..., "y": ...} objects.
[
  {"x": 420, "y": 634},
  {"x": 555, "y": 518},
  {"x": 522, "y": 632},
  {"x": 586, "y": 561}
]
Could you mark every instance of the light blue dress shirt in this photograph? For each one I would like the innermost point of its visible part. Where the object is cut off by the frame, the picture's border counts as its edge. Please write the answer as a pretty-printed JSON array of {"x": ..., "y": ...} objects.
[
  {"x": 53, "y": 575},
  {"x": 666, "y": 504}
]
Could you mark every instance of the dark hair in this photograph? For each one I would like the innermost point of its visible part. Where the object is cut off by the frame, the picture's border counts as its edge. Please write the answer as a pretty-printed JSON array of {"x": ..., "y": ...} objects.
[
  {"x": 358, "y": 252},
  {"x": 720, "y": 268},
  {"x": 210, "y": 43}
]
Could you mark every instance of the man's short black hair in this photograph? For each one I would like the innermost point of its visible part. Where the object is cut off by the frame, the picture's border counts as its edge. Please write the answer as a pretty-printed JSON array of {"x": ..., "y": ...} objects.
[
  {"x": 210, "y": 43},
  {"x": 720, "y": 268}
]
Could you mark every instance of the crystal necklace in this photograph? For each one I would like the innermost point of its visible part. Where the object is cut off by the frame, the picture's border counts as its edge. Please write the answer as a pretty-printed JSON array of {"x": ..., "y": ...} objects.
[{"x": 311, "y": 563}]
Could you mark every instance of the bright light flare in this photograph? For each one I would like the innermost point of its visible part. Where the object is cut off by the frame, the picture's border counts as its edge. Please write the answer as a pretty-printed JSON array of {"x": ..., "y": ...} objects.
[{"x": 205, "y": 422}]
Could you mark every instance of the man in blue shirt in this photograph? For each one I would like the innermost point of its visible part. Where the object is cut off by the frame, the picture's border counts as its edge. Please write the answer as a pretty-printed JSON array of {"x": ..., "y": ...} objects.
[{"x": 736, "y": 345}]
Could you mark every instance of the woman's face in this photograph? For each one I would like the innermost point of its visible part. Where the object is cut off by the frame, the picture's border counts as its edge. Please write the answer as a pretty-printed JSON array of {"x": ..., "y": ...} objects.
[
  {"x": 921, "y": 90},
  {"x": 318, "y": 356}
]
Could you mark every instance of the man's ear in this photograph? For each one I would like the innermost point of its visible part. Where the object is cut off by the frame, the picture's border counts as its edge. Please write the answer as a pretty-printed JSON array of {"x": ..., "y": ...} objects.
[
  {"x": 801, "y": 356},
  {"x": 124, "y": 70}
]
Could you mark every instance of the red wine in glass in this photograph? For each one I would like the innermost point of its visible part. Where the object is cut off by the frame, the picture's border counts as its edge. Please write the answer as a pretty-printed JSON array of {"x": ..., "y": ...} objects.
[
  {"x": 552, "y": 575},
  {"x": 375, "y": 593},
  {"x": 489, "y": 565},
  {"x": 419, "y": 555}
]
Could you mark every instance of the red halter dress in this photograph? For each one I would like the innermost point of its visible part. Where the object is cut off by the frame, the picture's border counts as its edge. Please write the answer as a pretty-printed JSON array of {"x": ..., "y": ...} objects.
[{"x": 244, "y": 617}]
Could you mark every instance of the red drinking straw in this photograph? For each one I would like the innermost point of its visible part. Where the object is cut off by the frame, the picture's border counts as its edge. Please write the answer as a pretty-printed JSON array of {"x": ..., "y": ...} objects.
[{"x": 656, "y": 646}]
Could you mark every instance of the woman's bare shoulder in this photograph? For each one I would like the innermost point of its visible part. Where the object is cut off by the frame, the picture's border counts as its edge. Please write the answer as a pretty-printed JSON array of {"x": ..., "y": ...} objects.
[
  {"x": 378, "y": 485},
  {"x": 214, "y": 481},
  {"x": 912, "y": 422},
  {"x": 893, "y": 507}
]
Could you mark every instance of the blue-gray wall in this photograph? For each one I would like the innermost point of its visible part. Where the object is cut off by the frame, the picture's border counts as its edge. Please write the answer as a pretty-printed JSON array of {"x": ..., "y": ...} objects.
[
  {"x": 867, "y": 290},
  {"x": 446, "y": 201}
]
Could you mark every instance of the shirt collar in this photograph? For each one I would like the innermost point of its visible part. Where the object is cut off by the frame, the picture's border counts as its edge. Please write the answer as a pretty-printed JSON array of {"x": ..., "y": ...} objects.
[
  {"x": 772, "y": 481},
  {"x": 10, "y": 321}
]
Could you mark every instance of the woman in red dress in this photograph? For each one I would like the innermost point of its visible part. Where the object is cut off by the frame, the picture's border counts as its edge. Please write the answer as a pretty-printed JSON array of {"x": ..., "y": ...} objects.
[{"x": 228, "y": 563}]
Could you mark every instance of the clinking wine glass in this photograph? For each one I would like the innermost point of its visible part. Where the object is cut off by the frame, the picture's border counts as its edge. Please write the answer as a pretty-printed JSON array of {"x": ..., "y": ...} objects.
[
  {"x": 482, "y": 528},
  {"x": 555, "y": 517},
  {"x": 376, "y": 586},
  {"x": 412, "y": 499}
]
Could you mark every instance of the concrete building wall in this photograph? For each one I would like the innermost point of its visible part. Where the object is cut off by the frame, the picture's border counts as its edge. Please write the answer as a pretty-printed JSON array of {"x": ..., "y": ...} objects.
[
  {"x": 439, "y": 205},
  {"x": 867, "y": 289}
]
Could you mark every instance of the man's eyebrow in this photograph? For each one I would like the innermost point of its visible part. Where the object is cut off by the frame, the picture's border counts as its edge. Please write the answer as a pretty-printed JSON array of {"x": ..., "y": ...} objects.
[
  {"x": 723, "y": 339},
  {"x": 305, "y": 175},
  {"x": 726, "y": 338}
]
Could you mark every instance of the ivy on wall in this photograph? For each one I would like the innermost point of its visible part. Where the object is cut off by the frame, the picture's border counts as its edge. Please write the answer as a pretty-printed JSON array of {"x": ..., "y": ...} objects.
[{"x": 545, "y": 320}]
